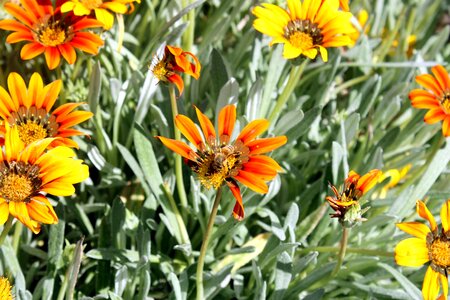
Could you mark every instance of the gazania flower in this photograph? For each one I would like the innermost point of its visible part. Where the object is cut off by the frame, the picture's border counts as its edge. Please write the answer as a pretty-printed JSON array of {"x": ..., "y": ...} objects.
[
  {"x": 48, "y": 31},
  {"x": 175, "y": 61},
  {"x": 5, "y": 289},
  {"x": 101, "y": 9},
  {"x": 429, "y": 244},
  {"x": 345, "y": 203},
  {"x": 436, "y": 98},
  {"x": 28, "y": 173},
  {"x": 216, "y": 160},
  {"x": 307, "y": 28},
  {"x": 29, "y": 110}
]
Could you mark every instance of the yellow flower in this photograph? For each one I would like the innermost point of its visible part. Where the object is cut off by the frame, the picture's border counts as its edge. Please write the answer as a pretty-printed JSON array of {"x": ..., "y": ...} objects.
[
  {"x": 5, "y": 289},
  {"x": 100, "y": 8},
  {"x": 395, "y": 176},
  {"x": 29, "y": 173},
  {"x": 30, "y": 110},
  {"x": 429, "y": 244},
  {"x": 346, "y": 203},
  {"x": 306, "y": 28}
]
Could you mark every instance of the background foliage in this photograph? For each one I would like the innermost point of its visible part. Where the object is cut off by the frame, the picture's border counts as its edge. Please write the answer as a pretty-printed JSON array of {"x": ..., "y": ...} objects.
[{"x": 118, "y": 238}]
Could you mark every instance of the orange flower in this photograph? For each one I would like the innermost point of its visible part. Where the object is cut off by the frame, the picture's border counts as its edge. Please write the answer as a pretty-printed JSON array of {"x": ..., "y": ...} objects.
[
  {"x": 429, "y": 244},
  {"x": 436, "y": 98},
  {"x": 345, "y": 204},
  {"x": 48, "y": 31},
  {"x": 100, "y": 8},
  {"x": 28, "y": 173},
  {"x": 219, "y": 161},
  {"x": 28, "y": 109},
  {"x": 175, "y": 60}
]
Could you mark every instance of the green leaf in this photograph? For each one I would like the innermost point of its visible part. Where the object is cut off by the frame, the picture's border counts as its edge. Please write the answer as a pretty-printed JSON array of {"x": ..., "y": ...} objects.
[
  {"x": 407, "y": 285},
  {"x": 283, "y": 275}
]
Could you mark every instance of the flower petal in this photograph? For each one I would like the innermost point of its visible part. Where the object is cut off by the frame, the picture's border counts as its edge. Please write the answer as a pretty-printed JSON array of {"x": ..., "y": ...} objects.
[
  {"x": 205, "y": 124},
  {"x": 252, "y": 130},
  {"x": 189, "y": 130},
  {"x": 430, "y": 287},
  {"x": 415, "y": 228},
  {"x": 445, "y": 216},
  {"x": 434, "y": 115},
  {"x": 412, "y": 252},
  {"x": 260, "y": 146},
  {"x": 176, "y": 146},
  {"x": 248, "y": 179},
  {"x": 238, "y": 210},
  {"x": 424, "y": 213},
  {"x": 227, "y": 119}
]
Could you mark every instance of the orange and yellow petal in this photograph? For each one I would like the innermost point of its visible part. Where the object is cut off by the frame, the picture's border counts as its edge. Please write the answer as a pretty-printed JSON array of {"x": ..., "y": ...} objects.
[
  {"x": 424, "y": 213},
  {"x": 267, "y": 161},
  {"x": 189, "y": 130},
  {"x": 252, "y": 130},
  {"x": 445, "y": 216},
  {"x": 205, "y": 124},
  {"x": 412, "y": 252},
  {"x": 434, "y": 115},
  {"x": 250, "y": 180},
  {"x": 238, "y": 210},
  {"x": 265, "y": 145},
  {"x": 430, "y": 287},
  {"x": 446, "y": 126},
  {"x": 442, "y": 77},
  {"x": 227, "y": 119},
  {"x": 368, "y": 181},
  {"x": 416, "y": 229},
  {"x": 40, "y": 210},
  {"x": 4, "y": 211},
  {"x": 176, "y": 146},
  {"x": 430, "y": 83}
]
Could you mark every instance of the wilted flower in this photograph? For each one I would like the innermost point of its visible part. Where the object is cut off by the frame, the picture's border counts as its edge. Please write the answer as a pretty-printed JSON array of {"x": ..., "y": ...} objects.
[
  {"x": 29, "y": 173},
  {"x": 436, "y": 98},
  {"x": 219, "y": 161},
  {"x": 346, "y": 203},
  {"x": 5, "y": 289},
  {"x": 46, "y": 30},
  {"x": 175, "y": 61},
  {"x": 307, "y": 28},
  {"x": 29, "y": 110},
  {"x": 429, "y": 245},
  {"x": 100, "y": 8}
]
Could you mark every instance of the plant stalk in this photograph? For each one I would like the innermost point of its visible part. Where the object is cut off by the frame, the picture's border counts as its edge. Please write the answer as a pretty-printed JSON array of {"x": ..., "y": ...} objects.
[
  {"x": 201, "y": 258},
  {"x": 342, "y": 250},
  {"x": 178, "y": 163},
  {"x": 294, "y": 77}
]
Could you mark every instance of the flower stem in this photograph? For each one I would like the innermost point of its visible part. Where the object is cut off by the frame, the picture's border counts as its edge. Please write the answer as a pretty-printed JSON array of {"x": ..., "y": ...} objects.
[
  {"x": 343, "y": 248},
  {"x": 201, "y": 258},
  {"x": 178, "y": 165},
  {"x": 294, "y": 77},
  {"x": 6, "y": 229},
  {"x": 16, "y": 236}
]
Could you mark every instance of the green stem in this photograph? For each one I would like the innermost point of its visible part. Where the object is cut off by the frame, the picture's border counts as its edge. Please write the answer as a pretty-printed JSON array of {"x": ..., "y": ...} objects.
[
  {"x": 349, "y": 250},
  {"x": 178, "y": 163},
  {"x": 294, "y": 77},
  {"x": 342, "y": 249},
  {"x": 188, "y": 36},
  {"x": 16, "y": 236},
  {"x": 201, "y": 258},
  {"x": 6, "y": 229},
  {"x": 352, "y": 82}
]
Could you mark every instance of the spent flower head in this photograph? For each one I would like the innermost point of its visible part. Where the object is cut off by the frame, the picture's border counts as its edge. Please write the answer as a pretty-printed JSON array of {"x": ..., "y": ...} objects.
[
  {"x": 217, "y": 160},
  {"x": 436, "y": 97},
  {"x": 429, "y": 244},
  {"x": 306, "y": 28},
  {"x": 30, "y": 111},
  {"x": 346, "y": 203},
  {"x": 174, "y": 61},
  {"x": 47, "y": 30}
]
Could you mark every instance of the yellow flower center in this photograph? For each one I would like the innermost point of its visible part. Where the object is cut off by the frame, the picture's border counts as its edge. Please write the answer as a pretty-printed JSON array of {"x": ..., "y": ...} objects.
[
  {"x": 31, "y": 131},
  {"x": 33, "y": 124},
  {"x": 18, "y": 181},
  {"x": 301, "y": 40},
  {"x": 439, "y": 252},
  {"x": 5, "y": 289},
  {"x": 445, "y": 101},
  {"x": 303, "y": 34},
  {"x": 91, "y": 4},
  {"x": 217, "y": 163},
  {"x": 160, "y": 70},
  {"x": 51, "y": 32}
]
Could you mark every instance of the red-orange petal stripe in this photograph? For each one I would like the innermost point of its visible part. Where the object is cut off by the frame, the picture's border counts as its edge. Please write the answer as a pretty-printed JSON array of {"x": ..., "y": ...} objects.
[
  {"x": 227, "y": 119},
  {"x": 429, "y": 82},
  {"x": 441, "y": 76},
  {"x": 260, "y": 170},
  {"x": 434, "y": 115},
  {"x": 238, "y": 210},
  {"x": 446, "y": 126},
  {"x": 266, "y": 160},
  {"x": 205, "y": 124}
]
